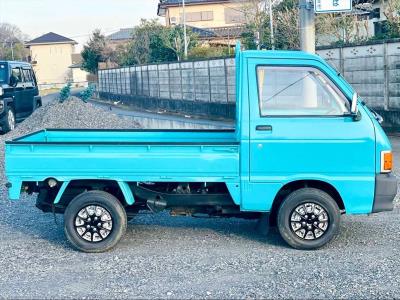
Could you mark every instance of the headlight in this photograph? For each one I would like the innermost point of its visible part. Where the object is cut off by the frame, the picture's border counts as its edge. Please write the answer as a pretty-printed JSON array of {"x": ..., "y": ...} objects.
[{"x": 1, "y": 91}]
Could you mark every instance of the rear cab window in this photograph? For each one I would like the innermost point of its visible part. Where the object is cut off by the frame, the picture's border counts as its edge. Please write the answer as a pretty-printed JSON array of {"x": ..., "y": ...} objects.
[{"x": 298, "y": 91}]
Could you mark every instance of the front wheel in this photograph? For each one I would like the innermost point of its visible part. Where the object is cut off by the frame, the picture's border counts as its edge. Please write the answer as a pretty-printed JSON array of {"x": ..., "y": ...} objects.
[
  {"x": 308, "y": 219},
  {"x": 95, "y": 222},
  {"x": 9, "y": 122}
]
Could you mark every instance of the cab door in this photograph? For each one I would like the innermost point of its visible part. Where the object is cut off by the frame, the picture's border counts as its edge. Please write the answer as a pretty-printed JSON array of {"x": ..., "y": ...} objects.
[
  {"x": 28, "y": 97},
  {"x": 300, "y": 126},
  {"x": 18, "y": 92}
]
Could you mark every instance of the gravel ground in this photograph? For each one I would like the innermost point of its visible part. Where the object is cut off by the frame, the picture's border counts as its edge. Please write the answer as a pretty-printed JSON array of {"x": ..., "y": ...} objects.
[{"x": 165, "y": 257}]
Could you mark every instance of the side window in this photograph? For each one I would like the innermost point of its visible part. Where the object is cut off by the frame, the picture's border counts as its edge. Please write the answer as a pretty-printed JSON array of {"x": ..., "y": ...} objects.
[
  {"x": 298, "y": 91},
  {"x": 33, "y": 77},
  {"x": 16, "y": 73},
  {"x": 27, "y": 75},
  {"x": 3, "y": 73}
]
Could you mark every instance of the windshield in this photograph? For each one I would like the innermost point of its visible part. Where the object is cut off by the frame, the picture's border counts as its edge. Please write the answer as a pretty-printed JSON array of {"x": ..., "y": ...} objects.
[{"x": 3, "y": 73}]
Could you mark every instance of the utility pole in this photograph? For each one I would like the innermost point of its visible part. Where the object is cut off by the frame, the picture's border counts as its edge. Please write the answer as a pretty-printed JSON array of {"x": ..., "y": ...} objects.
[
  {"x": 12, "y": 50},
  {"x": 184, "y": 29},
  {"x": 271, "y": 25},
  {"x": 307, "y": 26}
]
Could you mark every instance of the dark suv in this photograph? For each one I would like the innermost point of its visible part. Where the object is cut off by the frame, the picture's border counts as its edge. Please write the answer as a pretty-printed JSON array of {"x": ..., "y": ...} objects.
[{"x": 19, "y": 94}]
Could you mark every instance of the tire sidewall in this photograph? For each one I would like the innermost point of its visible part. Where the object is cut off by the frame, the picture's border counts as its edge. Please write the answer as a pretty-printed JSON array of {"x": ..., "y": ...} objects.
[
  {"x": 6, "y": 125},
  {"x": 105, "y": 200},
  {"x": 308, "y": 196}
]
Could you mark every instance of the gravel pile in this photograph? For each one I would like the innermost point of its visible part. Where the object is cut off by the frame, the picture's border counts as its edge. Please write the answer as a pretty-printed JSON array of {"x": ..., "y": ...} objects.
[{"x": 73, "y": 113}]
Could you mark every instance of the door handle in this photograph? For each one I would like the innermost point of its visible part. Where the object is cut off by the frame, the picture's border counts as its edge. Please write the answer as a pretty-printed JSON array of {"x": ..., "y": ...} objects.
[{"x": 264, "y": 128}]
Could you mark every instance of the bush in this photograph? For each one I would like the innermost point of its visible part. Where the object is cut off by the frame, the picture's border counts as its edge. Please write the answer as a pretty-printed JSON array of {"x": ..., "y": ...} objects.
[
  {"x": 86, "y": 94},
  {"x": 65, "y": 92},
  {"x": 208, "y": 52}
]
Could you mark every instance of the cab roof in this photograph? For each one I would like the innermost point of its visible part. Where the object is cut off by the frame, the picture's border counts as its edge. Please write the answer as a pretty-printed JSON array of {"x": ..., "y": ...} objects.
[
  {"x": 280, "y": 54},
  {"x": 15, "y": 63}
]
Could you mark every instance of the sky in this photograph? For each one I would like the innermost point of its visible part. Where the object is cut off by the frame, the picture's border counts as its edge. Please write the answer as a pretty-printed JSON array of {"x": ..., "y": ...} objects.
[{"x": 75, "y": 19}]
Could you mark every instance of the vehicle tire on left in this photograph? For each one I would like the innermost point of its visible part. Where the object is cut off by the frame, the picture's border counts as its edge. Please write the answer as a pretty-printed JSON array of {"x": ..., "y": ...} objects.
[
  {"x": 95, "y": 221},
  {"x": 10, "y": 121}
]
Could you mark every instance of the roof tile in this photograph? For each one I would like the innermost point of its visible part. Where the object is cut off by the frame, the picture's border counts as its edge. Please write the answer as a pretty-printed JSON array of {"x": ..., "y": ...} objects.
[{"x": 51, "y": 38}]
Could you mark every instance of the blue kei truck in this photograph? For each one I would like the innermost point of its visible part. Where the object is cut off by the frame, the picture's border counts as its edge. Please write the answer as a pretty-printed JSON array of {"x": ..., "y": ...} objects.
[{"x": 305, "y": 150}]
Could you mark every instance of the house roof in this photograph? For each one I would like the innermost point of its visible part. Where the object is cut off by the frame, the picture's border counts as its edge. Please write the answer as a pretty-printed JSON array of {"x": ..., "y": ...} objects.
[
  {"x": 171, "y": 3},
  {"x": 51, "y": 38},
  {"x": 122, "y": 34}
]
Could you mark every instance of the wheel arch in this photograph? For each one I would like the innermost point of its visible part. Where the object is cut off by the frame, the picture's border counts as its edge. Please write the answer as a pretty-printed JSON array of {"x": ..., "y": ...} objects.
[
  {"x": 9, "y": 102},
  {"x": 299, "y": 184},
  {"x": 117, "y": 188}
]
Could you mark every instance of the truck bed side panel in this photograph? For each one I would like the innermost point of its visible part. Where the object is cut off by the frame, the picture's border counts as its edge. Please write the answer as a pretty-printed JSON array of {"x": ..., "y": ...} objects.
[{"x": 123, "y": 162}]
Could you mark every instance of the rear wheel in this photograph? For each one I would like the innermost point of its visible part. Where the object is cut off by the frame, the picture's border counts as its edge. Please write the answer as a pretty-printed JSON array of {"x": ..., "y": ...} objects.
[
  {"x": 95, "y": 222},
  {"x": 9, "y": 122},
  {"x": 308, "y": 219}
]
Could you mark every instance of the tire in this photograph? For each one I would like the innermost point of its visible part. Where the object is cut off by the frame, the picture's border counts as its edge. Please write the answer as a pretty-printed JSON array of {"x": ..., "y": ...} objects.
[
  {"x": 100, "y": 237},
  {"x": 9, "y": 122},
  {"x": 318, "y": 225}
]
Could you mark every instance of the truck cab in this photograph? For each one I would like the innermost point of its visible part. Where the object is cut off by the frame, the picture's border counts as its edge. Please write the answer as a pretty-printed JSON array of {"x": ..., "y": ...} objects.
[
  {"x": 19, "y": 93},
  {"x": 305, "y": 150}
]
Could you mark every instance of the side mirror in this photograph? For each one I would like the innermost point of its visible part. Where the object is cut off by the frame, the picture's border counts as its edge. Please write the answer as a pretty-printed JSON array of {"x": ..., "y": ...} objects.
[
  {"x": 354, "y": 108},
  {"x": 13, "y": 81}
]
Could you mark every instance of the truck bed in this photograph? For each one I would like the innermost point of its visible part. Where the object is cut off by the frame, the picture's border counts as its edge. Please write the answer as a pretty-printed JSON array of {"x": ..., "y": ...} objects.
[
  {"x": 123, "y": 155},
  {"x": 124, "y": 136}
]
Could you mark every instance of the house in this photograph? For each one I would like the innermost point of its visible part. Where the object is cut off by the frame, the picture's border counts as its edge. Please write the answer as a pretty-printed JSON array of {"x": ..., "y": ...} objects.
[
  {"x": 121, "y": 37},
  {"x": 51, "y": 57},
  {"x": 79, "y": 76},
  {"x": 202, "y": 13},
  {"x": 215, "y": 21}
]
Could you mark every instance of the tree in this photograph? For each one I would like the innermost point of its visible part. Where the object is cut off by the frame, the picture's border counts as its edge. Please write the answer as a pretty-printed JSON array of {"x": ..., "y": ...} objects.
[
  {"x": 12, "y": 43},
  {"x": 152, "y": 43},
  {"x": 256, "y": 16},
  {"x": 286, "y": 15},
  {"x": 146, "y": 46},
  {"x": 96, "y": 51},
  {"x": 391, "y": 9},
  {"x": 345, "y": 28},
  {"x": 173, "y": 39},
  {"x": 286, "y": 28}
]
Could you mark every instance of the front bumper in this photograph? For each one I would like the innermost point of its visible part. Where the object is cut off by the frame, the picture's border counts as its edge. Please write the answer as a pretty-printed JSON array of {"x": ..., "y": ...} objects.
[{"x": 385, "y": 192}]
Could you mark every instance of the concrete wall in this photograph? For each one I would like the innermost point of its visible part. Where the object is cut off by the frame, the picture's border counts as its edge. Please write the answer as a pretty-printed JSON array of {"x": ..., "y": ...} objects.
[
  {"x": 52, "y": 62},
  {"x": 374, "y": 71},
  {"x": 199, "y": 87},
  {"x": 208, "y": 87}
]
